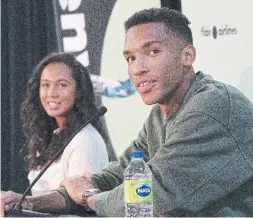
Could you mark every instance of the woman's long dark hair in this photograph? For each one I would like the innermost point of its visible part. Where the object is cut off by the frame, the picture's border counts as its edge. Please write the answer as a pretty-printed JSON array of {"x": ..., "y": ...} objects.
[{"x": 38, "y": 127}]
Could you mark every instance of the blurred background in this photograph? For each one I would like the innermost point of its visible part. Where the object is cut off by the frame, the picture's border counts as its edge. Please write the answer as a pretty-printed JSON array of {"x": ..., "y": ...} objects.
[{"x": 93, "y": 31}]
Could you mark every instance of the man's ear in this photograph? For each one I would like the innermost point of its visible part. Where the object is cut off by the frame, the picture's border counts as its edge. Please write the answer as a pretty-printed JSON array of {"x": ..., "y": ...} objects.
[{"x": 188, "y": 55}]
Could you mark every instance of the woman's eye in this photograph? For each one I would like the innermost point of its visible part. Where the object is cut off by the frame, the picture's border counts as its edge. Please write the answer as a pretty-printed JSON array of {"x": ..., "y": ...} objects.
[
  {"x": 45, "y": 85},
  {"x": 62, "y": 85}
]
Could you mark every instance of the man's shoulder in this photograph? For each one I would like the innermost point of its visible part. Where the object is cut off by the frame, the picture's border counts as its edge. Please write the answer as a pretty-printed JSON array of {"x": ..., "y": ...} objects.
[
  {"x": 208, "y": 91},
  {"x": 213, "y": 98}
]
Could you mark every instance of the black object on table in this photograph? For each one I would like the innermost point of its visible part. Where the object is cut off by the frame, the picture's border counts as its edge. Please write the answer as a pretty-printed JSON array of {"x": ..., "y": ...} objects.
[{"x": 29, "y": 213}]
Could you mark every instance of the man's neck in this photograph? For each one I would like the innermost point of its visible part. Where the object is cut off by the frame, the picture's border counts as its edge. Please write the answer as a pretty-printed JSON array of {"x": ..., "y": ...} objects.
[
  {"x": 174, "y": 103},
  {"x": 169, "y": 110}
]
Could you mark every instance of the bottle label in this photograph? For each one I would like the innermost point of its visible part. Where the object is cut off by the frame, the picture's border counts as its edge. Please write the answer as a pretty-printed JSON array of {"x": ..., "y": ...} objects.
[{"x": 138, "y": 191}]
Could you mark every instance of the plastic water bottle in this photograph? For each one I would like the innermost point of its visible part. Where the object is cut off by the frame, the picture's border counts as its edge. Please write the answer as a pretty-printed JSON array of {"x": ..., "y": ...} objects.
[{"x": 138, "y": 194}]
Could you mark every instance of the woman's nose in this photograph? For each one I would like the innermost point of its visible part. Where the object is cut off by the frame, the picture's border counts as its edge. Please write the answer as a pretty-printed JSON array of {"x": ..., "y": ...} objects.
[{"x": 53, "y": 91}]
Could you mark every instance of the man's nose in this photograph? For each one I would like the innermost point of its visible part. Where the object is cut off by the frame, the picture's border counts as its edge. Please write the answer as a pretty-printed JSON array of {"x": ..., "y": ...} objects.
[{"x": 140, "y": 66}]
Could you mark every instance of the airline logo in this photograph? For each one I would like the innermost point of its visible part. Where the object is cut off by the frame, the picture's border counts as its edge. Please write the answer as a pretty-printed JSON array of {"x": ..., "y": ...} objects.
[{"x": 215, "y": 32}]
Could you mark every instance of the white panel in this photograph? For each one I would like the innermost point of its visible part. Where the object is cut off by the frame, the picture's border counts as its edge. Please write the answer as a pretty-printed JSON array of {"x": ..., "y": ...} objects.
[{"x": 229, "y": 56}]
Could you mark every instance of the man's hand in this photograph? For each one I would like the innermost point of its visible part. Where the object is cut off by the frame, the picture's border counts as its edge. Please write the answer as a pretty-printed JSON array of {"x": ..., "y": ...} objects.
[{"x": 76, "y": 185}]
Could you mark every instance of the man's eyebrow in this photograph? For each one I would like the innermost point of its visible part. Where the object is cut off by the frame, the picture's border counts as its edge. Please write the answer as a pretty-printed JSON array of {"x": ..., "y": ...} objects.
[
  {"x": 145, "y": 45},
  {"x": 126, "y": 52}
]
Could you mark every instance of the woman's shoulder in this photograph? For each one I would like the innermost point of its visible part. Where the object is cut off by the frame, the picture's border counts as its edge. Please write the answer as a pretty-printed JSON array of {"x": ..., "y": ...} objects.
[
  {"x": 89, "y": 131},
  {"x": 86, "y": 137}
]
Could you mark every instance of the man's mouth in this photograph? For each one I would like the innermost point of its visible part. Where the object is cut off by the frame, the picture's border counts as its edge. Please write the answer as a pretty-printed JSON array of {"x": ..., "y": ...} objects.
[
  {"x": 145, "y": 86},
  {"x": 144, "y": 83}
]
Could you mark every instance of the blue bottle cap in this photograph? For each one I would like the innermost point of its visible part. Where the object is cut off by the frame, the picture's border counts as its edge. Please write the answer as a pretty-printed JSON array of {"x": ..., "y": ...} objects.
[{"x": 137, "y": 154}]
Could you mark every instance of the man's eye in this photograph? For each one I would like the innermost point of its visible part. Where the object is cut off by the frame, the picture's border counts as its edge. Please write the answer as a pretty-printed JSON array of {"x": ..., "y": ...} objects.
[
  {"x": 154, "y": 52},
  {"x": 130, "y": 59}
]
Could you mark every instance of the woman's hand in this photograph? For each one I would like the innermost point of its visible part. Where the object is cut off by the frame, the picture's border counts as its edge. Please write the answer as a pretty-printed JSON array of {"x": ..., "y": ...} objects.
[
  {"x": 2, "y": 210},
  {"x": 8, "y": 199}
]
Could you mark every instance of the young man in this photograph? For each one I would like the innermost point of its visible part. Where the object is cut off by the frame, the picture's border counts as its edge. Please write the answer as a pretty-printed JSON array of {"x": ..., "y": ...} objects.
[{"x": 197, "y": 139}]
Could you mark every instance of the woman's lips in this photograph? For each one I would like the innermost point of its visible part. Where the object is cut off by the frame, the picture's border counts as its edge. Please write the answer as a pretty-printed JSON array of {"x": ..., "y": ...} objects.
[{"x": 53, "y": 105}]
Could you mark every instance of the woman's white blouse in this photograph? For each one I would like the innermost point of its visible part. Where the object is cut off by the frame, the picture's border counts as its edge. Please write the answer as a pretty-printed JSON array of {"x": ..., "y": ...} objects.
[{"x": 85, "y": 152}]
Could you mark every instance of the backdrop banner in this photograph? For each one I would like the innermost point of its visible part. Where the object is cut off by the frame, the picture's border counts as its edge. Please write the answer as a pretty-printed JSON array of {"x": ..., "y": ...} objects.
[
  {"x": 81, "y": 27},
  {"x": 223, "y": 36}
]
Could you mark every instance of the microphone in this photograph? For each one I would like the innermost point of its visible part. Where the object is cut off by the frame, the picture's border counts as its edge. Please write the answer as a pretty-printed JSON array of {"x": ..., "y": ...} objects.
[{"x": 102, "y": 110}]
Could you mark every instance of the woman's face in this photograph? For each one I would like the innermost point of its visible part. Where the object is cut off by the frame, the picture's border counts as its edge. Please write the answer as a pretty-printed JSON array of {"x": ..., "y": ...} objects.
[{"x": 57, "y": 90}]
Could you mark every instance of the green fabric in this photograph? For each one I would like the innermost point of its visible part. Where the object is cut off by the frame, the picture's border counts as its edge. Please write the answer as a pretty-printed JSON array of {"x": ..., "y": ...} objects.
[{"x": 201, "y": 158}]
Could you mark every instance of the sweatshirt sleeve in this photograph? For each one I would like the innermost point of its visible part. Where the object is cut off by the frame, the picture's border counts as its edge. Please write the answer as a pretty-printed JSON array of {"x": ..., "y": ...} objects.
[
  {"x": 199, "y": 163},
  {"x": 195, "y": 166}
]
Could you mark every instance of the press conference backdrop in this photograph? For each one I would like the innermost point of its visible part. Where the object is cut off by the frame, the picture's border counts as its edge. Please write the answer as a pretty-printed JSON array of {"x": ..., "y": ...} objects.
[
  {"x": 90, "y": 29},
  {"x": 93, "y": 31},
  {"x": 223, "y": 35}
]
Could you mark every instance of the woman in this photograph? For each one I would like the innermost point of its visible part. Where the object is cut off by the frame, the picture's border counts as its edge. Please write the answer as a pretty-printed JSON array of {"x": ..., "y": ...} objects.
[{"x": 59, "y": 99}]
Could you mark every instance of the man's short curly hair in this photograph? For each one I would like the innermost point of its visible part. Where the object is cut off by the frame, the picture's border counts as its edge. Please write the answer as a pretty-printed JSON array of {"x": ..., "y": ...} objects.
[{"x": 177, "y": 24}]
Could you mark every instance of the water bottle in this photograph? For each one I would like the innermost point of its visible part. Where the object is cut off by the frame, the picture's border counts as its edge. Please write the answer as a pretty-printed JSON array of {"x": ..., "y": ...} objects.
[{"x": 138, "y": 195}]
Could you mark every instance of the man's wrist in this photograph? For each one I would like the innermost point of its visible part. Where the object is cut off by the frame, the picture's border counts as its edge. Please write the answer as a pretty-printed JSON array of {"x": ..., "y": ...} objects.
[
  {"x": 91, "y": 202},
  {"x": 88, "y": 198}
]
